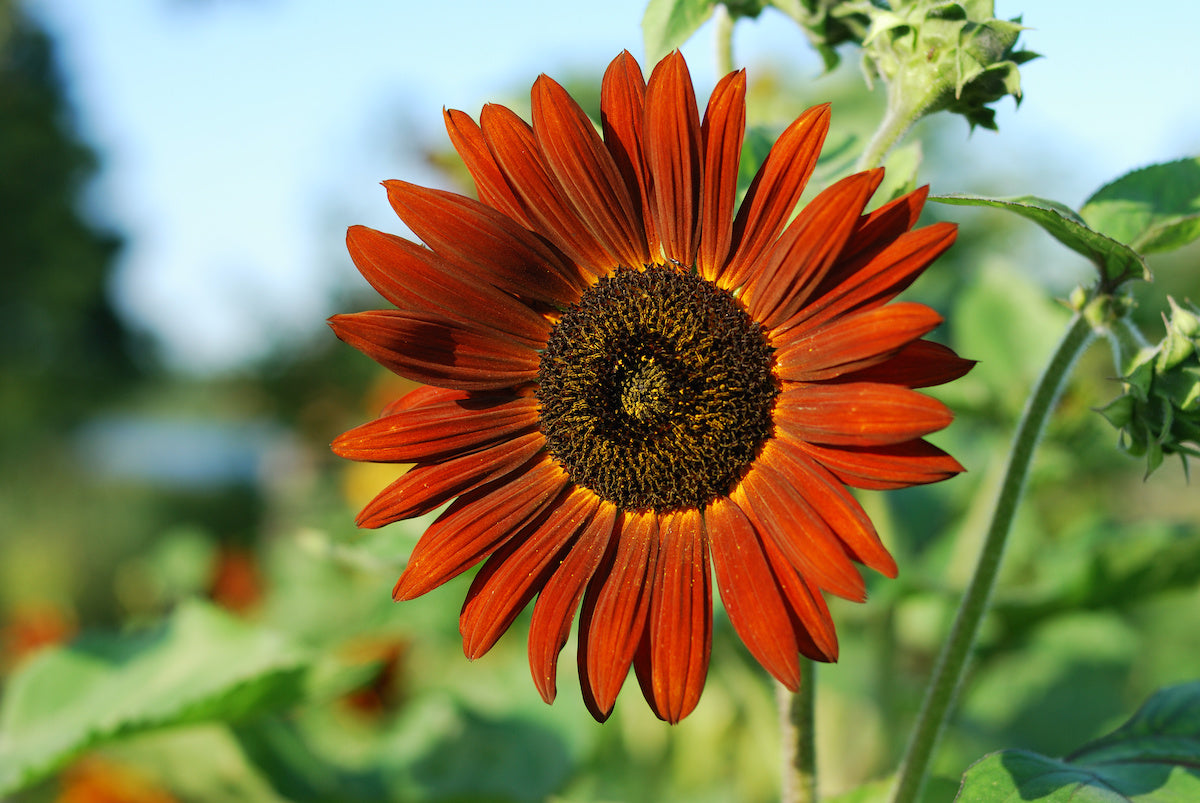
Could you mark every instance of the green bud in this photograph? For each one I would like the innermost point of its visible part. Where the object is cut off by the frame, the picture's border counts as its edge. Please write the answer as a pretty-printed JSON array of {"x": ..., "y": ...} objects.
[
  {"x": 1159, "y": 411},
  {"x": 939, "y": 55},
  {"x": 1118, "y": 412}
]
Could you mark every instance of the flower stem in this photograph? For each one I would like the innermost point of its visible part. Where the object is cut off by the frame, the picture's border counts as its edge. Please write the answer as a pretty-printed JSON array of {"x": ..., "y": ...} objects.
[
  {"x": 891, "y": 128},
  {"x": 796, "y": 716},
  {"x": 952, "y": 662},
  {"x": 1127, "y": 343},
  {"x": 723, "y": 35}
]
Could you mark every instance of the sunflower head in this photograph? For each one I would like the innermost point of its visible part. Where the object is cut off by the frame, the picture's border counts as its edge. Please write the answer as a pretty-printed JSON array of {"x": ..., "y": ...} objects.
[{"x": 637, "y": 389}]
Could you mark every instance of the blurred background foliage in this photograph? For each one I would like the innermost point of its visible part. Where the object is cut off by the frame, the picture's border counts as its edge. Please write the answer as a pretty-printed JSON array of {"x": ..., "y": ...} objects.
[{"x": 233, "y": 638}]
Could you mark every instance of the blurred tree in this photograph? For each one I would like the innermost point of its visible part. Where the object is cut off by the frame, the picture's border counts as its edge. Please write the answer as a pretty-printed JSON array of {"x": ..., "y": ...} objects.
[{"x": 64, "y": 351}]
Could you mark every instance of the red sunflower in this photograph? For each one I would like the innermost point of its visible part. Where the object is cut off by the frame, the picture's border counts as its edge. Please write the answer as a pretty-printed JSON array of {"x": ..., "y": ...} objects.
[{"x": 633, "y": 387}]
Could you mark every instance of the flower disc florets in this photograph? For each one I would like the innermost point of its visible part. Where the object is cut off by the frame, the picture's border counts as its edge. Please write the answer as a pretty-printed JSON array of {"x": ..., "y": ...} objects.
[{"x": 656, "y": 389}]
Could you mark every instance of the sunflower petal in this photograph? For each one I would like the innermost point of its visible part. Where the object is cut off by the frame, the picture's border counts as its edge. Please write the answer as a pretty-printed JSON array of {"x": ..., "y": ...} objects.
[
  {"x": 550, "y": 625},
  {"x": 679, "y": 632},
  {"x": 515, "y": 147},
  {"x": 880, "y": 227},
  {"x": 757, "y": 608},
  {"x": 771, "y": 499},
  {"x": 423, "y": 396},
  {"x": 877, "y": 280},
  {"x": 839, "y": 509},
  {"x": 808, "y": 248},
  {"x": 469, "y": 233},
  {"x": 811, "y": 622},
  {"x": 673, "y": 156},
  {"x": 418, "y": 281},
  {"x": 722, "y": 133},
  {"x": 513, "y": 574},
  {"x": 773, "y": 193},
  {"x": 920, "y": 364},
  {"x": 855, "y": 341},
  {"x": 490, "y": 184},
  {"x": 476, "y": 524},
  {"x": 622, "y": 119},
  {"x": 858, "y": 413},
  {"x": 614, "y": 612},
  {"x": 435, "y": 352},
  {"x": 586, "y": 172},
  {"x": 898, "y": 465},
  {"x": 427, "y": 486},
  {"x": 439, "y": 430}
]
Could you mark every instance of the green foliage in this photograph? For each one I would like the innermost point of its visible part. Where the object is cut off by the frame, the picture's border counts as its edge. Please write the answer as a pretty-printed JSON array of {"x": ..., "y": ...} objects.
[
  {"x": 1099, "y": 569},
  {"x": 829, "y": 23},
  {"x": 1152, "y": 758},
  {"x": 1154, "y": 209},
  {"x": 1117, "y": 262},
  {"x": 200, "y": 665},
  {"x": 1150, "y": 210},
  {"x": 437, "y": 750},
  {"x": 667, "y": 24},
  {"x": 902, "y": 170},
  {"x": 1008, "y": 325}
]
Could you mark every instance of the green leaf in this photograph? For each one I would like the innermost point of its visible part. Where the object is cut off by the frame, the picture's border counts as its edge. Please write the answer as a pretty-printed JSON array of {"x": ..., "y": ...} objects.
[
  {"x": 1116, "y": 261},
  {"x": 200, "y": 665},
  {"x": 667, "y": 24},
  {"x": 1005, "y": 321},
  {"x": 1152, "y": 758},
  {"x": 1156, "y": 208}
]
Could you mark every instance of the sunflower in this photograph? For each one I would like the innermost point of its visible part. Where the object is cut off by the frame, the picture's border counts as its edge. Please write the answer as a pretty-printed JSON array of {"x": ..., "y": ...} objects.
[{"x": 634, "y": 387}]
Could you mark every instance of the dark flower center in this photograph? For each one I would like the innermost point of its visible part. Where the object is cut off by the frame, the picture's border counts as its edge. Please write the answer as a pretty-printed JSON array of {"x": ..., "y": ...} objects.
[{"x": 656, "y": 389}]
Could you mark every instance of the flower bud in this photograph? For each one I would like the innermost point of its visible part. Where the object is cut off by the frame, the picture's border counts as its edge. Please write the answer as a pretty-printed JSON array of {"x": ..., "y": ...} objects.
[
  {"x": 1159, "y": 411},
  {"x": 952, "y": 56}
]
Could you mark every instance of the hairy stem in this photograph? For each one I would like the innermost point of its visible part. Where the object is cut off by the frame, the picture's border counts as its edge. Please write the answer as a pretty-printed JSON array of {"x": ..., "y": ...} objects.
[
  {"x": 952, "y": 662},
  {"x": 796, "y": 716},
  {"x": 1127, "y": 342},
  {"x": 891, "y": 129}
]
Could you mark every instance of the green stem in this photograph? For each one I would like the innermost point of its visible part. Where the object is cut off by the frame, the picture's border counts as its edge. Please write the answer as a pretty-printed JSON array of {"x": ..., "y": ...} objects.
[
  {"x": 723, "y": 24},
  {"x": 1127, "y": 342},
  {"x": 952, "y": 662},
  {"x": 893, "y": 126},
  {"x": 796, "y": 716}
]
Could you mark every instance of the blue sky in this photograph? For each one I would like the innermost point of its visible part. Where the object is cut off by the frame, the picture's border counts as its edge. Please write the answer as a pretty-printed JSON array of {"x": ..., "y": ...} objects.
[{"x": 240, "y": 137}]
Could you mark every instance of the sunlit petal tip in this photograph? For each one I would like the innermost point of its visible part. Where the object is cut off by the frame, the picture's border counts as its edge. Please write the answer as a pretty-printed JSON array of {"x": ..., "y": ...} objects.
[
  {"x": 673, "y": 155},
  {"x": 774, "y": 192},
  {"x": 514, "y": 145},
  {"x": 586, "y": 173},
  {"x": 722, "y": 131},
  {"x": 486, "y": 243}
]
